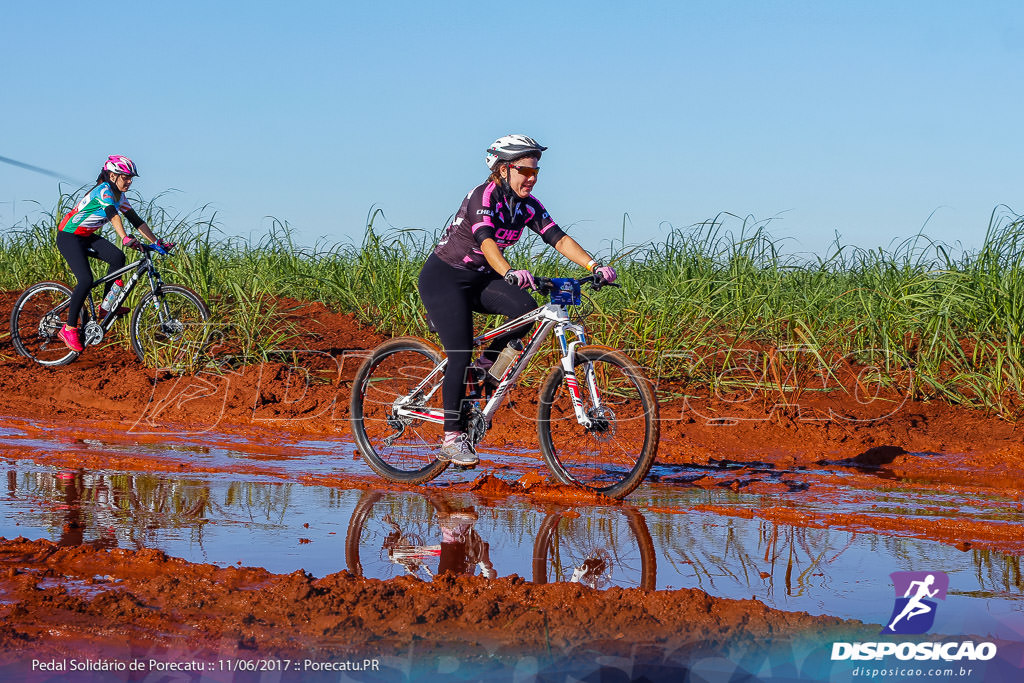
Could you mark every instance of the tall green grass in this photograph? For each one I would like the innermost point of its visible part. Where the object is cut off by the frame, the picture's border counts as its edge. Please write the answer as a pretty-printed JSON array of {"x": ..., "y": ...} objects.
[{"x": 692, "y": 305}]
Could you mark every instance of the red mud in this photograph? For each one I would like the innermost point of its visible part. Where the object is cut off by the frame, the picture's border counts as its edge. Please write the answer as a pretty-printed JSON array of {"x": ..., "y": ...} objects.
[{"x": 147, "y": 601}]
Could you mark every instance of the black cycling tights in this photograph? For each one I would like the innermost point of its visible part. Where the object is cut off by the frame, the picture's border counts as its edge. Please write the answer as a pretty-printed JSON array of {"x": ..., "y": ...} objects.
[
  {"x": 451, "y": 295},
  {"x": 73, "y": 249}
]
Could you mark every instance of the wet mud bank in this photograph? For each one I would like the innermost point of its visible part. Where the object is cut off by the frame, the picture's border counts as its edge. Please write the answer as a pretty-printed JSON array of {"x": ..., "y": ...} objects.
[{"x": 65, "y": 601}]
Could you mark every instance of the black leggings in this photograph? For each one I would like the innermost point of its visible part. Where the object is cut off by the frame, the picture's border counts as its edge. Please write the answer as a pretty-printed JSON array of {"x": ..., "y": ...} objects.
[
  {"x": 451, "y": 295},
  {"x": 73, "y": 248}
]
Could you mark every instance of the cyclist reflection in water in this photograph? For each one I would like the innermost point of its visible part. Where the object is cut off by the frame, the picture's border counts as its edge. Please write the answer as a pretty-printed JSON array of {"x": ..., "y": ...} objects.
[
  {"x": 73, "y": 529},
  {"x": 77, "y": 241},
  {"x": 468, "y": 272},
  {"x": 461, "y": 550}
]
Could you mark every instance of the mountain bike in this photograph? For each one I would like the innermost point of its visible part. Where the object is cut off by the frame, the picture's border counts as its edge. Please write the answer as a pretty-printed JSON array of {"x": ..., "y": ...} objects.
[
  {"x": 400, "y": 537},
  {"x": 167, "y": 327},
  {"x": 597, "y": 420}
]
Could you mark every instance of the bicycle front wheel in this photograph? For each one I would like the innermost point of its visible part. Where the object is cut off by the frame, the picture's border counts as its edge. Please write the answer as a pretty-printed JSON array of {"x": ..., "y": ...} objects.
[
  {"x": 36, "y": 320},
  {"x": 168, "y": 328},
  {"x": 614, "y": 454},
  {"x": 600, "y": 550},
  {"x": 399, "y": 447}
]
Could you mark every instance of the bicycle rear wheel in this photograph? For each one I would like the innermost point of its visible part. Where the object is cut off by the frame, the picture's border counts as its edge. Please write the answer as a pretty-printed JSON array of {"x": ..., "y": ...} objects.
[
  {"x": 401, "y": 448},
  {"x": 391, "y": 535},
  {"x": 614, "y": 454},
  {"x": 168, "y": 329},
  {"x": 36, "y": 320}
]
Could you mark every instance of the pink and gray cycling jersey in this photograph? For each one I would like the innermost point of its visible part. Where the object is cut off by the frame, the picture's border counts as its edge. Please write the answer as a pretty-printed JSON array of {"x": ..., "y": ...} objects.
[{"x": 486, "y": 214}]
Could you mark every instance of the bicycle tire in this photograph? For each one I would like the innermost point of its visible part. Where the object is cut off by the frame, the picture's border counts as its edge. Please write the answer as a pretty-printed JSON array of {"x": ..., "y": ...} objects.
[
  {"x": 555, "y": 551},
  {"x": 392, "y": 371},
  {"x": 176, "y": 342},
  {"x": 614, "y": 455},
  {"x": 354, "y": 534},
  {"x": 35, "y": 322}
]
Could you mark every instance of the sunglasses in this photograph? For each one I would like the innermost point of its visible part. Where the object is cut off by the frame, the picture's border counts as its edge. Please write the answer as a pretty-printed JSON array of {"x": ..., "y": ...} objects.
[{"x": 528, "y": 171}]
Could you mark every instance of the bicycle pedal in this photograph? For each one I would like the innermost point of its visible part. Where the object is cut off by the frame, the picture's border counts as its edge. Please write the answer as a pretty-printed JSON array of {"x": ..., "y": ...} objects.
[{"x": 463, "y": 468}]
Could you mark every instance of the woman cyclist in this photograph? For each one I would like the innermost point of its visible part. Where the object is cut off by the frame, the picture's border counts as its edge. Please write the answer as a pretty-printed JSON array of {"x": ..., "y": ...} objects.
[
  {"x": 467, "y": 272},
  {"x": 76, "y": 235}
]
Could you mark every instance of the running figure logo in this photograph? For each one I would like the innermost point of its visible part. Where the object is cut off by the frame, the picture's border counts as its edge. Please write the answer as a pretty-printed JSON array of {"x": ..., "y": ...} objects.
[{"x": 914, "y": 612}]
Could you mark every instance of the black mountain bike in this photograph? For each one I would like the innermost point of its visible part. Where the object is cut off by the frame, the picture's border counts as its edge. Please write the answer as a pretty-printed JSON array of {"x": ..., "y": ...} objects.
[{"x": 167, "y": 327}]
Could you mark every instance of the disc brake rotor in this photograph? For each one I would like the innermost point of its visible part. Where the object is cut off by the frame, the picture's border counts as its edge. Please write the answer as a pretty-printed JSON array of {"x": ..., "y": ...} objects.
[{"x": 602, "y": 423}]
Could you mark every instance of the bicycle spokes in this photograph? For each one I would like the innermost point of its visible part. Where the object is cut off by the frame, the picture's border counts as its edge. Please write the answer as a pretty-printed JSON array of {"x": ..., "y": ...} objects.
[
  {"x": 396, "y": 411},
  {"x": 597, "y": 425}
]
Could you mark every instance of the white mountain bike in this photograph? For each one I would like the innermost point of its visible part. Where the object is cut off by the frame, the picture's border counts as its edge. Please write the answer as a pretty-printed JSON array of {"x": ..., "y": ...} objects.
[{"x": 597, "y": 420}]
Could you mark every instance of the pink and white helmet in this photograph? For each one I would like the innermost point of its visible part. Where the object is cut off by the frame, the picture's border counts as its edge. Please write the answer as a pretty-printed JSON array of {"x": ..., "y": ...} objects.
[
  {"x": 120, "y": 164},
  {"x": 510, "y": 148}
]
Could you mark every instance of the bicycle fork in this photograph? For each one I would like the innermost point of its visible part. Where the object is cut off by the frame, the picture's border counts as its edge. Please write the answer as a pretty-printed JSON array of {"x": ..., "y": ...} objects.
[{"x": 569, "y": 372}]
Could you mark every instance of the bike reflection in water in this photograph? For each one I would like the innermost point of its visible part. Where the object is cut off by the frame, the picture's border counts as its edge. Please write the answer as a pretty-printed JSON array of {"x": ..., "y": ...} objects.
[
  {"x": 72, "y": 489},
  {"x": 395, "y": 534},
  {"x": 461, "y": 550},
  {"x": 399, "y": 533},
  {"x": 597, "y": 553},
  {"x": 108, "y": 510}
]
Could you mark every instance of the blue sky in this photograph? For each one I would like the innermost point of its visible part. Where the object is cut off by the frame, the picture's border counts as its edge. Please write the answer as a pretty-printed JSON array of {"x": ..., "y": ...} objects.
[{"x": 863, "y": 118}]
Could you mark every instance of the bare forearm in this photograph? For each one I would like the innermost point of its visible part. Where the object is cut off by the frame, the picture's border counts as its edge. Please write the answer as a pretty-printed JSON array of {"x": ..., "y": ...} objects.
[
  {"x": 570, "y": 249},
  {"x": 146, "y": 232},
  {"x": 494, "y": 258}
]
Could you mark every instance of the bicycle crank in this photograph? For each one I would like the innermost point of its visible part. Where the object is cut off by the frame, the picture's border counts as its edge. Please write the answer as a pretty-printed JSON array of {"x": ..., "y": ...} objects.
[
  {"x": 93, "y": 333},
  {"x": 476, "y": 426}
]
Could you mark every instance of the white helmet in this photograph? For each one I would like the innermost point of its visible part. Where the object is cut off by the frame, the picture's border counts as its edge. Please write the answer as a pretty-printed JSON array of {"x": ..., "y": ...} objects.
[
  {"x": 117, "y": 163},
  {"x": 510, "y": 148}
]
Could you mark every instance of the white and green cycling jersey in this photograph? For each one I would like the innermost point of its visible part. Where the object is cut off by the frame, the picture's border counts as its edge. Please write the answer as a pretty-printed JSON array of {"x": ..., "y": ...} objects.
[{"x": 95, "y": 209}]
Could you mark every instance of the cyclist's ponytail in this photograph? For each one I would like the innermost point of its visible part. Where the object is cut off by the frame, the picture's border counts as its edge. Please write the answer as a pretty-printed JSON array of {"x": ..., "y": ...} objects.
[{"x": 104, "y": 177}]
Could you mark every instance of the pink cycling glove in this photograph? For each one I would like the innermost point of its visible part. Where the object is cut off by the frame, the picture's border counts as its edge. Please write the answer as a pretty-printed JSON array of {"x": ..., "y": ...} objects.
[
  {"x": 606, "y": 273},
  {"x": 522, "y": 279},
  {"x": 130, "y": 242}
]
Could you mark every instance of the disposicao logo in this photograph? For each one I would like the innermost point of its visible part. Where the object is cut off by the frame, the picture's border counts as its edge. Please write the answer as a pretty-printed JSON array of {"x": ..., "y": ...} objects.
[
  {"x": 914, "y": 609},
  {"x": 914, "y": 613}
]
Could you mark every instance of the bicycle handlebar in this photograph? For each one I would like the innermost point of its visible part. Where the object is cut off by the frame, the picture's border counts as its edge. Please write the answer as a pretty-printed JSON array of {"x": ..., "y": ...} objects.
[
  {"x": 546, "y": 285},
  {"x": 142, "y": 247}
]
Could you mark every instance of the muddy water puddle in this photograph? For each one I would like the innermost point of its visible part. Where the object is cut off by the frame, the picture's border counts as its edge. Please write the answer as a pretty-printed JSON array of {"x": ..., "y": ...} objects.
[{"x": 263, "y": 516}]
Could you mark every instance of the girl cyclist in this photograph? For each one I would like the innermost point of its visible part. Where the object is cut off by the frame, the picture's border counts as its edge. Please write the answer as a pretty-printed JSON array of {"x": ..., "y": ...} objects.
[
  {"x": 77, "y": 234},
  {"x": 467, "y": 272}
]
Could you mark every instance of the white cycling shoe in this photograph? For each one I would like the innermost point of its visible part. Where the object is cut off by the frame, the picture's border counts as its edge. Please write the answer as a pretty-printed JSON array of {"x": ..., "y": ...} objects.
[{"x": 459, "y": 452}]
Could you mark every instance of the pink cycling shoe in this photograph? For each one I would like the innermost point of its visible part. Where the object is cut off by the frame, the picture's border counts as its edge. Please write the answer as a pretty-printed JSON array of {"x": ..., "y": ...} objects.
[{"x": 69, "y": 335}]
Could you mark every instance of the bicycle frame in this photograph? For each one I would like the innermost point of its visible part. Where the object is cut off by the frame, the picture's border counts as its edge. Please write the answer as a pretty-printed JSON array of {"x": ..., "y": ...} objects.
[
  {"x": 553, "y": 318},
  {"x": 144, "y": 264}
]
